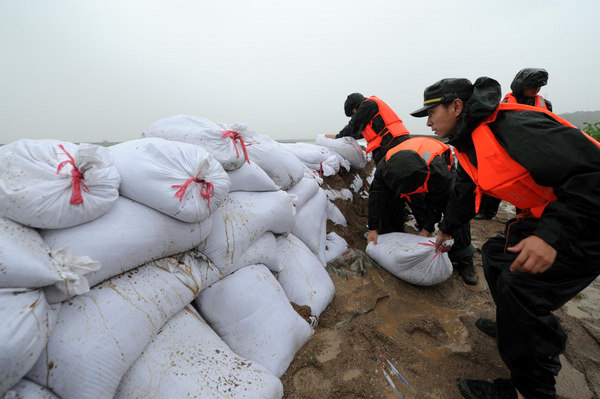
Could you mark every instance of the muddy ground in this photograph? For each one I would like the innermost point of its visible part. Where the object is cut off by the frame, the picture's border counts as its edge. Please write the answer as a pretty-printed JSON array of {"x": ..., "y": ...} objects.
[{"x": 428, "y": 333}]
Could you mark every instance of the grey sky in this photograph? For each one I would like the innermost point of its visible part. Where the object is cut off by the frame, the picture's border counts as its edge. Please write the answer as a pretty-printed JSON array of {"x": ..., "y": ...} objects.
[{"x": 104, "y": 70}]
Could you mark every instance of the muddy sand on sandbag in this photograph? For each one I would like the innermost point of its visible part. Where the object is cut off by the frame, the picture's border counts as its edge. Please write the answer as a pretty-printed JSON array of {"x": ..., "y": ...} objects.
[{"x": 428, "y": 333}]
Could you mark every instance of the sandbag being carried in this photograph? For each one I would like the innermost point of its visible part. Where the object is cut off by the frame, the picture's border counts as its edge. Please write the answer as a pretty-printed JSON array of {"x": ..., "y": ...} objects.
[
  {"x": 26, "y": 321},
  {"x": 303, "y": 276},
  {"x": 187, "y": 359},
  {"x": 251, "y": 313},
  {"x": 127, "y": 236},
  {"x": 178, "y": 179},
  {"x": 347, "y": 147},
  {"x": 52, "y": 184},
  {"x": 411, "y": 258},
  {"x": 227, "y": 146},
  {"x": 99, "y": 335},
  {"x": 26, "y": 261}
]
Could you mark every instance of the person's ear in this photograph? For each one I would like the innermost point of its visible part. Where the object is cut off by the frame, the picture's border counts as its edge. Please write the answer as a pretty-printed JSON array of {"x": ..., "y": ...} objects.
[{"x": 457, "y": 106}]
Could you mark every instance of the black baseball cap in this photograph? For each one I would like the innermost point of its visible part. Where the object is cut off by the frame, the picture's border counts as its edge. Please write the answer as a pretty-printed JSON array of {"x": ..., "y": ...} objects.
[{"x": 443, "y": 92}]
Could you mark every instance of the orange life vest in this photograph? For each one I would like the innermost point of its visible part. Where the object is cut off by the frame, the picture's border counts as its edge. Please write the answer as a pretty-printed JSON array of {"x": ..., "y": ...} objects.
[
  {"x": 428, "y": 148},
  {"x": 500, "y": 176},
  {"x": 393, "y": 125},
  {"x": 539, "y": 100}
]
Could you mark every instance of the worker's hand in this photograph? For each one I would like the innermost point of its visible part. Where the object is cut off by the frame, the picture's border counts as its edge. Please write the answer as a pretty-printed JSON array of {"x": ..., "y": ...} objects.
[
  {"x": 372, "y": 236},
  {"x": 535, "y": 255},
  {"x": 424, "y": 233},
  {"x": 440, "y": 240},
  {"x": 330, "y": 136}
]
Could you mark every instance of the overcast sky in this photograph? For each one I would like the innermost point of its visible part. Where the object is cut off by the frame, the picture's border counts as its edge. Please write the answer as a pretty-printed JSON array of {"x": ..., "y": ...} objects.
[{"x": 104, "y": 70}]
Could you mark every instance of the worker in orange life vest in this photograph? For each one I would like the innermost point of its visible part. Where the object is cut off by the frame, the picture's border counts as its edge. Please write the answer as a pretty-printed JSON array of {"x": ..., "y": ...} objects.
[
  {"x": 525, "y": 88},
  {"x": 420, "y": 169},
  {"x": 549, "y": 253},
  {"x": 374, "y": 120}
]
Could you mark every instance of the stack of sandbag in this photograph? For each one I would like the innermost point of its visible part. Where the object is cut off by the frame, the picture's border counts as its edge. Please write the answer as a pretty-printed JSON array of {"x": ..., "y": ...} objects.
[
  {"x": 411, "y": 258},
  {"x": 347, "y": 147},
  {"x": 188, "y": 359},
  {"x": 54, "y": 184},
  {"x": 227, "y": 146},
  {"x": 319, "y": 158},
  {"x": 249, "y": 310},
  {"x": 178, "y": 179}
]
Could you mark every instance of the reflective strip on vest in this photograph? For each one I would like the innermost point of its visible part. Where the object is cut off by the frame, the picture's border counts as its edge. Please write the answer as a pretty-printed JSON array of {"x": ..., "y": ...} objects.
[{"x": 393, "y": 125}]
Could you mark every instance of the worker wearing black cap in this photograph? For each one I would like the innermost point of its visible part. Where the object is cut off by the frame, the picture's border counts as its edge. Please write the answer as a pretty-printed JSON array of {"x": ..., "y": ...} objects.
[
  {"x": 374, "y": 120},
  {"x": 547, "y": 167},
  {"x": 525, "y": 88},
  {"x": 420, "y": 169}
]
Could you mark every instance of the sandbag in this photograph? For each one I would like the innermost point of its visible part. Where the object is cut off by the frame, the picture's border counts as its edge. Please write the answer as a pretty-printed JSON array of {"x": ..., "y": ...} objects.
[
  {"x": 187, "y": 359},
  {"x": 26, "y": 389},
  {"x": 310, "y": 221},
  {"x": 335, "y": 246},
  {"x": 52, "y": 184},
  {"x": 26, "y": 321},
  {"x": 240, "y": 221},
  {"x": 227, "y": 146},
  {"x": 178, "y": 179},
  {"x": 347, "y": 147},
  {"x": 302, "y": 191},
  {"x": 316, "y": 157},
  {"x": 303, "y": 276},
  {"x": 26, "y": 261},
  {"x": 411, "y": 258},
  {"x": 250, "y": 312},
  {"x": 100, "y": 334},
  {"x": 251, "y": 177},
  {"x": 283, "y": 167},
  {"x": 127, "y": 236}
]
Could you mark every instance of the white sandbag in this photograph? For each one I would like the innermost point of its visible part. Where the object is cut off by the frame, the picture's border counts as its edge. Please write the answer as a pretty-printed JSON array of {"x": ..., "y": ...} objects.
[
  {"x": 335, "y": 215},
  {"x": 179, "y": 264},
  {"x": 303, "y": 277},
  {"x": 316, "y": 157},
  {"x": 282, "y": 166},
  {"x": 100, "y": 334},
  {"x": 302, "y": 191},
  {"x": 52, "y": 184},
  {"x": 26, "y": 261},
  {"x": 335, "y": 245},
  {"x": 411, "y": 258},
  {"x": 187, "y": 360},
  {"x": 178, "y": 179},
  {"x": 26, "y": 321},
  {"x": 251, "y": 313},
  {"x": 240, "y": 221},
  {"x": 26, "y": 389},
  {"x": 347, "y": 147},
  {"x": 251, "y": 177},
  {"x": 264, "y": 251},
  {"x": 127, "y": 236},
  {"x": 226, "y": 146},
  {"x": 310, "y": 220}
]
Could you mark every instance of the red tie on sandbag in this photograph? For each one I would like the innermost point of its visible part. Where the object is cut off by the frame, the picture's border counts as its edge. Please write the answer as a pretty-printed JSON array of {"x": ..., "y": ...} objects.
[
  {"x": 77, "y": 183},
  {"x": 233, "y": 135},
  {"x": 207, "y": 189}
]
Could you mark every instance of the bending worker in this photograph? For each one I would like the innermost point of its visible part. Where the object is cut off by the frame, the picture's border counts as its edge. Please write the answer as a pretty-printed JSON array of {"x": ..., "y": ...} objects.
[
  {"x": 374, "y": 120},
  {"x": 420, "y": 170},
  {"x": 551, "y": 251}
]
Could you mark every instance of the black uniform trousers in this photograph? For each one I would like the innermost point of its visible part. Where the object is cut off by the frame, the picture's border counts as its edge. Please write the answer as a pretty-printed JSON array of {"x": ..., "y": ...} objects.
[{"x": 530, "y": 338}]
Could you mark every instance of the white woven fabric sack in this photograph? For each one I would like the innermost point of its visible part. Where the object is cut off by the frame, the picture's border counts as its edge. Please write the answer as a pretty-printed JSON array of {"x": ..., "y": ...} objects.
[
  {"x": 225, "y": 145},
  {"x": 99, "y": 335},
  {"x": 251, "y": 177},
  {"x": 283, "y": 167},
  {"x": 127, "y": 236},
  {"x": 26, "y": 261},
  {"x": 187, "y": 359},
  {"x": 411, "y": 258},
  {"x": 26, "y": 321},
  {"x": 334, "y": 246},
  {"x": 303, "y": 277},
  {"x": 310, "y": 221},
  {"x": 178, "y": 179},
  {"x": 26, "y": 389},
  {"x": 240, "y": 221},
  {"x": 302, "y": 191},
  {"x": 52, "y": 184},
  {"x": 347, "y": 147},
  {"x": 316, "y": 157},
  {"x": 250, "y": 312}
]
